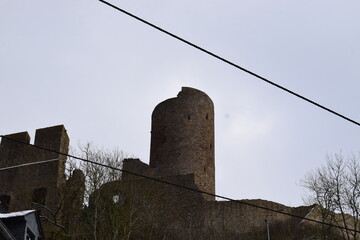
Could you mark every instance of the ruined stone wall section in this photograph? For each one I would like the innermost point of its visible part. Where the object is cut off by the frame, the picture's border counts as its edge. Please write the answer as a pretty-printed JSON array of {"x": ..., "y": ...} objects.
[
  {"x": 54, "y": 138},
  {"x": 20, "y": 183},
  {"x": 135, "y": 165},
  {"x": 240, "y": 219},
  {"x": 182, "y": 138},
  {"x": 12, "y": 152}
]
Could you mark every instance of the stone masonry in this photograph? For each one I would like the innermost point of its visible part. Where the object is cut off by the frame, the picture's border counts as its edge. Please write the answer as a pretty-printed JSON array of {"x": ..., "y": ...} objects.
[
  {"x": 182, "y": 138},
  {"x": 40, "y": 186},
  {"x": 181, "y": 152}
]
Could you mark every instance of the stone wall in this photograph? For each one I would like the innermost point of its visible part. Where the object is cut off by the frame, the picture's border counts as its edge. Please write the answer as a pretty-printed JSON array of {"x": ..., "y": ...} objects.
[
  {"x": 182, "y": 152},
  {"x": 41, "y": 186},
  {"x": 35, "y": 182},
  {"x": 191, "y": 216}
]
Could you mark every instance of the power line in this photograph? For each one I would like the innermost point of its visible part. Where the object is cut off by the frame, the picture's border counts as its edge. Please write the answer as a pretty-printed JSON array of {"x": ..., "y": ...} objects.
[
  {"x": 231, "y": 63},
  {"x": 176, "y": 185}
]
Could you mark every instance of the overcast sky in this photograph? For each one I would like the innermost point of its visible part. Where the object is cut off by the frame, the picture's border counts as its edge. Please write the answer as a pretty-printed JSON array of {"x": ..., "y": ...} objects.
[{"x": 100, "y": 73}]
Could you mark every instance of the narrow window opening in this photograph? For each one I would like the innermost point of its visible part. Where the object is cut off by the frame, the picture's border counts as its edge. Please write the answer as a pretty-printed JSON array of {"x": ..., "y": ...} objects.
[
  {"x": 210, "y": 146},
  {"x": 5, "y": 201},
  {"x": 207, "y": 116},
  {"x": 163, "y": 135},
  {"x": 39, "y": 196},
  {"x": 189, "y": 117}
]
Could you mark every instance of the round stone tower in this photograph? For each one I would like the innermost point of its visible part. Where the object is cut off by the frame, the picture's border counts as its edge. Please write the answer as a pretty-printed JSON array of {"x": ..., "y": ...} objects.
[{"x": 182, "y": 138}]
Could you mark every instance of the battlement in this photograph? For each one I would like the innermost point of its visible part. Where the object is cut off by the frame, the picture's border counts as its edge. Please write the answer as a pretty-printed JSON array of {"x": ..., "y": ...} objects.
[
  {"x": 54, "y": 138},
  {"x": 21, "y": 136},
  {"x": 14, "y": 152}
]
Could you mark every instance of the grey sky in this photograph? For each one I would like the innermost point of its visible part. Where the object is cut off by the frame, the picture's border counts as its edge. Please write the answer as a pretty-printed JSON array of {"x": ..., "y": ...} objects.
[{"x": 101, "y": 73}]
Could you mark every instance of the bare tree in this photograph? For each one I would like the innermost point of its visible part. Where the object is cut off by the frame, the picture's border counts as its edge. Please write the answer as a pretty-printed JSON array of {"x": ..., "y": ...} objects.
[
  {"x": 95, "y": 175},
  {"x": 335, "y": 188},
  {"x": 105, "y": 214}
]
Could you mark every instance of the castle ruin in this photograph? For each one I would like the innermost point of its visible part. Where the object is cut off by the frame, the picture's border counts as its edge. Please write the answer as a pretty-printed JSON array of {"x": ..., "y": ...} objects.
[{"x": 181, "y": 152}]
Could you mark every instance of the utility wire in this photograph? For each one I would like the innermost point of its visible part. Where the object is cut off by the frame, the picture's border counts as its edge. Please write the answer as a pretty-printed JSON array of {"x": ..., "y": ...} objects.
[
  {"x": 231, "y": 63},
  {"x": 179, "y": 186},
  {"x": 28, "y": 164}
]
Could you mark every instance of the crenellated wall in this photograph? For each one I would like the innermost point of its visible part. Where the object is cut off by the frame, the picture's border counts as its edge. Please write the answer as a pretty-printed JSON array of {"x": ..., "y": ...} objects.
[
  {"x": 41, "y": 186},
  {"x": 24, "y": 184}
]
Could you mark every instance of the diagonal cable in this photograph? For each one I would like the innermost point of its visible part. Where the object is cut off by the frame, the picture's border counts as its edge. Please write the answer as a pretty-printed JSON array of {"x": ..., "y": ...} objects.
[
  {"x": 231, "y": 63},
  {"x": 180, "y": 186}
]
